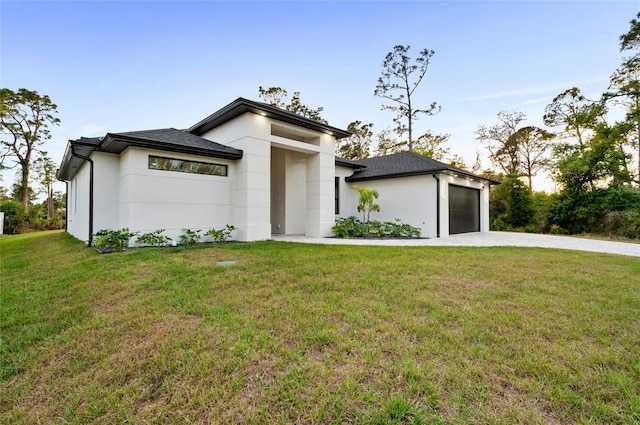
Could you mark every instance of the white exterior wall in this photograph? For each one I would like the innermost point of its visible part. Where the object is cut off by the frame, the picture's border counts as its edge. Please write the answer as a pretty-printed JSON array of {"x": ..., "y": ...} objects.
[
  {"x": 106, "y": 170},
  {"x": 251, "y": 195},
  {"x": 78, "y": 204},
  {"x": 311, "y": 186},
  {"x": 157, "y": 199},
  {"x": 411, "y": 199}
]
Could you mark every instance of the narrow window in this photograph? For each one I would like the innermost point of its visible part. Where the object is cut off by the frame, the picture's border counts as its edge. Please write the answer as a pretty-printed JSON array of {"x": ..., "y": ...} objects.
[
  {"x": 337, "y": 195},
  {"x": 183, "y": 166}
]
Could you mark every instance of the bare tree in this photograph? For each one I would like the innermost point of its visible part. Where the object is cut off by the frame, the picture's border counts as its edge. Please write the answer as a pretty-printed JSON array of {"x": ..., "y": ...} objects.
[
  {"x": 496, "y": 139},
  {"x": 576, "y": 114},
  {"x": 532, "y": 146},
  {"x": 398, "y": 82}
]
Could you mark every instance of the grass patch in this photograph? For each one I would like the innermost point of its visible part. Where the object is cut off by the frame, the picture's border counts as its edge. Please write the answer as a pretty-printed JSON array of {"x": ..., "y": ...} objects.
[{"x": 296, "y": 333}]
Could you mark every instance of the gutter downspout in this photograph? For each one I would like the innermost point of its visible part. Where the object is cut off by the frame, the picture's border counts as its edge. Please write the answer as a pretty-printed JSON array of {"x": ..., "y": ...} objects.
[
  {"x": 437, "y": 204},
  {"x": 90, "y": 161},
  {"x": 66, "y": 208}
]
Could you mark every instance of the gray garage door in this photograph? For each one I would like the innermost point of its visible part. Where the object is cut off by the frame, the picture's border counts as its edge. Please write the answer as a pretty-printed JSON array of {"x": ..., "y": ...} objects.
[{"x": 464, "y": 209}]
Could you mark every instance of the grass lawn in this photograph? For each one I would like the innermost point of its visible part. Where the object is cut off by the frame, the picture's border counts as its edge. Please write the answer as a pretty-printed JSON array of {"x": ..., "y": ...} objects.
[{"x": 296, "y": 333}]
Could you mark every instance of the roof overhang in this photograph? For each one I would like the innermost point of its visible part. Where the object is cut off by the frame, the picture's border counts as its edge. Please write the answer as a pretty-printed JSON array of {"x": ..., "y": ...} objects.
[
  {"x": 241, "y": 106},
  {"x": 117, "y": 143},
  {"x": 349, "y": 163},
  {"x": 78, "y": 150},
  {"x": 459, "y": 174}
]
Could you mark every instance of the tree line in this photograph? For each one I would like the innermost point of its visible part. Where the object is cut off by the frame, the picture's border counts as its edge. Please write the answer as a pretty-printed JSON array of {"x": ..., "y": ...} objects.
[
  {"x": 25, "y": 121},
  {"x": 590, "y": 158}
]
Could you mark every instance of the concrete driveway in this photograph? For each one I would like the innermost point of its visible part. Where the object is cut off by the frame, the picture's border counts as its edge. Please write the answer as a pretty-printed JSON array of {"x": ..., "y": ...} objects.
[{"x": 487, "y": 239}]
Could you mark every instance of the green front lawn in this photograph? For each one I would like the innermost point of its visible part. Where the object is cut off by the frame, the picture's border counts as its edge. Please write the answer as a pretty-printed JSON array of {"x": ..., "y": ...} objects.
[{"x": 297, "y": 333}]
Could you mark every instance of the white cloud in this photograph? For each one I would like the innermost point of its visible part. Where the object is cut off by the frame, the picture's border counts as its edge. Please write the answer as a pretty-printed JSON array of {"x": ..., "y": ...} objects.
[
  {"x": 536, "y": 101},
  {"x": 538, "y": 90}
]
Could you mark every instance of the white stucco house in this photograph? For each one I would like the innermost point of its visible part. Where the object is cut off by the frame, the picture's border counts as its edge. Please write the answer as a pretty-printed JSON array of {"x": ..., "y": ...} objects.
[{"x": 262, "y": 169}]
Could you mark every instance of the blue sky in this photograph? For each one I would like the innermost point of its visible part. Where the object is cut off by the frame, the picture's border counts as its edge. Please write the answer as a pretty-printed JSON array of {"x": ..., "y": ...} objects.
[{"x": 123, "y": 66}]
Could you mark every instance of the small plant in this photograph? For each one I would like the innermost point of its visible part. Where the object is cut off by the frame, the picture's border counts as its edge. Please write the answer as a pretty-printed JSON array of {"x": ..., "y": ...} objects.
[
  {"x": 352, "y": 227},
  {"x": 153, "y": 239},
  {"x": 221, "y": 235},
  {"x": 366, "y": 203},
  {"x": 112, "y": 240},
  {"x": 349, "y": 227},
  {"x": 190, "y": 237},
  {"x": 404, "y": 230}
]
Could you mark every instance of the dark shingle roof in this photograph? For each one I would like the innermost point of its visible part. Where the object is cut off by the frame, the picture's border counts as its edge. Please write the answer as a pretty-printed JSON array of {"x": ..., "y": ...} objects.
[
  {"x": 167, "y": 139},
  {"x": 404, "y": 164},
  {"x": 242, "y": 105},
  {"x": 175, "y": 140},
  {"x": 347, "y": 162}
]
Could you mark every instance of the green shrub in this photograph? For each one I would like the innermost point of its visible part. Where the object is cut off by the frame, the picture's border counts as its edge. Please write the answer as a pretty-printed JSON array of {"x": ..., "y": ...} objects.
[
  {"x": 154, "y": 239},
  {"x": 15, "y": 219},
  {"x": 349, "y": 227},
  {"x": 352, "y": 227},
  {"x": 113, "y": 240},
  {"x": 221, "y": 235},
  {"x": 190, "y": 237},
  {"x": 628, "y": 225}
]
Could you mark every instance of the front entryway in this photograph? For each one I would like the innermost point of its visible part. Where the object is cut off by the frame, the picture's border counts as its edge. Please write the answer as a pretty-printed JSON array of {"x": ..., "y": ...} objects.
[{"x": 288, "y": 191}]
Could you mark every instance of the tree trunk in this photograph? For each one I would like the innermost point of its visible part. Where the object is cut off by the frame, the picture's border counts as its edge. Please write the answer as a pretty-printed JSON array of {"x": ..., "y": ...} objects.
[
  {"x": 24, "y": 196},
  {"x": 638, "y": 128},
  {"x": 409, "y": 116},
  {"x": 50, "y": 211}
]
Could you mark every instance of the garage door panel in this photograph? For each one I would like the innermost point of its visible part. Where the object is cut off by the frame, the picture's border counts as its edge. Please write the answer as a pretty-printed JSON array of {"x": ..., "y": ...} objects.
[{"x": 464, "y": 209}]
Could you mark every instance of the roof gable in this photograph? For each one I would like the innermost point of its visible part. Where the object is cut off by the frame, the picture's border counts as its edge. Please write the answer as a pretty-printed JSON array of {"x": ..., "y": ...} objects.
[{"x": 242, "y": 105}]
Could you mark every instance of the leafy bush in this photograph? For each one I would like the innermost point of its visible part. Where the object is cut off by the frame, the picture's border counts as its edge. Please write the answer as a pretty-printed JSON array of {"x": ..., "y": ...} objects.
[
  {"x": 352, "y": 227},
  {"x": 190, "y": 237},
  {"x": 349, "y": 227},
  {"x": 15, "y": 219},
  {"x": 153, "y": 239},
  {"x": 113, "y": 240},
  {"x": 605, "y": 211},
  {"x": 630, "y": 224},
  {"x": 222, "y": 234},
  {"x": 510, "y": 205},
  {"x": 541, "y": 203}
]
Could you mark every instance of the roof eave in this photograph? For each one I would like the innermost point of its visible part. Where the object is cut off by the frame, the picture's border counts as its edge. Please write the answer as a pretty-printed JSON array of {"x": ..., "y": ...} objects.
[
  {"x": 242, "y": 105},
  {"x": 349, "y": 163},
  {"x": 112, "y": 139},
  {"x": 356, "y": 178}
]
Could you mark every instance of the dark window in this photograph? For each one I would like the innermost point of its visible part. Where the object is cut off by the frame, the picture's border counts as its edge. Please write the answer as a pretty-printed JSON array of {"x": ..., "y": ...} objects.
[
  {"x": 183, "y": 166},
  {"x": 337, "y": 195}
]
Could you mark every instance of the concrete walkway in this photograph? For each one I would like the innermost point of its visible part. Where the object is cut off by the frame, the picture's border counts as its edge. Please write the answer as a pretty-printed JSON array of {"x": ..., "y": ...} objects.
[{"x": 487, "y": 239}]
